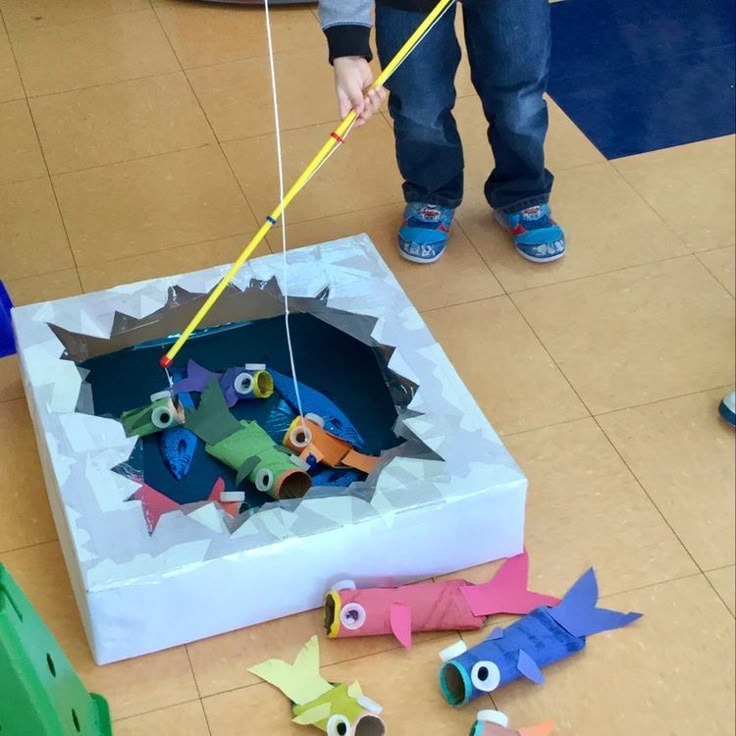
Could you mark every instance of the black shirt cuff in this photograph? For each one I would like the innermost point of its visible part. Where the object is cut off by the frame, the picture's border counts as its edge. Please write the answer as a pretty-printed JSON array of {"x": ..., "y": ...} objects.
[{"x": 349, "y": 40}]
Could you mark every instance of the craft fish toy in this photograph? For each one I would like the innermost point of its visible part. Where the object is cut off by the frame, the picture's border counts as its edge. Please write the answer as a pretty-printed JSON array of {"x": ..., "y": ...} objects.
[
  {"x": 177, "y": 444},
  {"x": 246, "y": 448},
  {"x": 542, "y": 637},
  {"x": 334, "y": 420},
  {"x": 495, "y": 723},
  {"x": 163, "y": 412},
  {"x": 251, "y": 381},
  {"x": 451, "y": 605},
  {"x": 338, "y": 710},
  {"x": 308, "y": 438}
]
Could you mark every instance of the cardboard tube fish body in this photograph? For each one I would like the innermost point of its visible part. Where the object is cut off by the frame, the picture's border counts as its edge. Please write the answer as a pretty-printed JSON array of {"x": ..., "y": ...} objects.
[
  {"x": 335, "y": 709},
  {"x": 494, "y": 723},
  {"x": 306, "y": 437},
  {"x": 152, "y": 418},
  {"x": 450, "y": 605},
  {"x": 539, "y": 639},
  {"x": 253, "y": 454}
]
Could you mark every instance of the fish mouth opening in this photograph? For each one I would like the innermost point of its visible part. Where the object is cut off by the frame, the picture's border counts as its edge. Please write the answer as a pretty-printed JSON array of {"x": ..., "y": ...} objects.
[
  {"x": 332, "y": 606},
  {"x": 293, "y": 484},
  {"x": 263, "y": 388},
  {"x": 455, "y": 684},
  {"x": 369, "y": 725}
]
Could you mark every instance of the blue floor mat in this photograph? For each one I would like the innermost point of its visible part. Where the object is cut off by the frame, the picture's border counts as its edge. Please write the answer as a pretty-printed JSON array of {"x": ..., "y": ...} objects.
[{"x": 641, "y": 76}]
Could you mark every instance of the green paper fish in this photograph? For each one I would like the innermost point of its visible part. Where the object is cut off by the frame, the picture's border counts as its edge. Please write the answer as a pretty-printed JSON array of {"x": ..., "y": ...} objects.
[
  {"x": 338, "y": 710},
  {"x": 160, "y": 414}
]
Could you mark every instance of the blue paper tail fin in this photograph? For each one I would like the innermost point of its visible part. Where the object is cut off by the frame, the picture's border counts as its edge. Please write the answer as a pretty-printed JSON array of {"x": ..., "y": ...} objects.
[{"x": 578, "y": 614}]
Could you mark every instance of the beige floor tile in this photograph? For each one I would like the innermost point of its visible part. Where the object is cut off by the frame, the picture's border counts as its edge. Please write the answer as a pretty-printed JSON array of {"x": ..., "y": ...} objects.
[
  {"x": 26, "y": 518},
  {"x": 459, "y": 277},
  {"x": 11, "y": 384},
  {"x": 504, "y": 365},
  {"x": 649, "y": 678},
  {"x": 361, "y": 175},
  {"x": 45, "y": 287},
  {"x": 238, "y": 101},
  {"x": 95, "y": 51},
  {"x": 204, "y": 34},
  {"x": 131, "y": 687},
  {"x": 11, "y": 87},
  {"x": 629, "y": 234},
  {"x": 183, "y": 720},
  {"x": 221, "y": 663},
  {"x": 403, "y": 682},
  {"x": 638, "y": 335},
  {"x": 117, "y": 122},
  {"x": 22, "y": 14},
  {"x": 724, "y": 581},
  {"x": 19, "y": 149},
  {"x": 151, "y": 204},
  {"x": 164, "y": 263},
  {"x": 692, "y": 187},
  {"x": 722, "y": 264},
  {"x": 684, "y": 457},
  {"x": 31, "y": 231}
]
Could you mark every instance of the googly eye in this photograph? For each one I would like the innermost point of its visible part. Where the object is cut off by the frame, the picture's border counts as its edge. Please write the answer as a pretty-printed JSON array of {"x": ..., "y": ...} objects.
[
  {"x": 315, "y": 419},
  {"x": 493, "y": 716},
  {"x": 243, "y": 384},
  {"x": 162, "y": 417},
  {"x": 161, "y": 395},
  {"x": 352, "y": 616},
  {"x": 344, "y": 585},
  {"x": 338, "y": 726},
  {"x": 300, "y": 436},
  {"x": 485, "y": 676},
  {"x": 264, "y": 479}
]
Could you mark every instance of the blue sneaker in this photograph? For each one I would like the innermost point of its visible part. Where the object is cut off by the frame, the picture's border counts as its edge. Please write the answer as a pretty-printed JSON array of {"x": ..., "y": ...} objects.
[
  {"x": 423, "y": 233},
  {"x": 727, "y": 409},
  {"x": 536, "y": 235}
]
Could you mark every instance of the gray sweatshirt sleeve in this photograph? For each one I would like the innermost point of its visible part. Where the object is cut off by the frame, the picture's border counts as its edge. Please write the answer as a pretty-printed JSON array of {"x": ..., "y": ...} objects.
[{"x": 347, "y": 25}]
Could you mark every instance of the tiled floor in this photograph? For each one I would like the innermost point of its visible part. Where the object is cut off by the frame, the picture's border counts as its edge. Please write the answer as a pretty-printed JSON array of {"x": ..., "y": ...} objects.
[{"x": 136, "y": 139}]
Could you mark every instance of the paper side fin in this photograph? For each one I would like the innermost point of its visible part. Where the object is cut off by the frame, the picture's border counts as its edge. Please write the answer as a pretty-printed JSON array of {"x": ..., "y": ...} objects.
[
  {"x": 300, "y": 682},
  {"x": 314, "y": 715},
  {"x": 507, "y": 591},
  {"x": 529, "y": 668},
  {"x": 400, "y": 620},
  {"x": 577, "y": 612}
]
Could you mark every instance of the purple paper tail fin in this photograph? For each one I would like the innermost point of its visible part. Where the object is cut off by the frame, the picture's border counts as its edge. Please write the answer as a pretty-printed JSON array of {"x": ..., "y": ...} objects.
[{"x": 577, "y": 612}]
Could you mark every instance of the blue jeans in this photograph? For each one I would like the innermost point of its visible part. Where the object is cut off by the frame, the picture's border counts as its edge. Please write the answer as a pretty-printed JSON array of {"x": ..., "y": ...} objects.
[{"x": 508, "y": 44}]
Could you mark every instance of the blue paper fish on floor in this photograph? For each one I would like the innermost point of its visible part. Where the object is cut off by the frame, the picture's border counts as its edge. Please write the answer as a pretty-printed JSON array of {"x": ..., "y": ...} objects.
[
  {"x": 542, "y": 637},
  {"x": 335, "y": 420},
  {"x": 177, "y": 444}
]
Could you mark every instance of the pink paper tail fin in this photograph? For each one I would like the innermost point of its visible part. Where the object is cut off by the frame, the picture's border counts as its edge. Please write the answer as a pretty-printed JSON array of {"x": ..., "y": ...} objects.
[
  {"x": 507, "y": 592},
  {"x": 543, "y": 729}
]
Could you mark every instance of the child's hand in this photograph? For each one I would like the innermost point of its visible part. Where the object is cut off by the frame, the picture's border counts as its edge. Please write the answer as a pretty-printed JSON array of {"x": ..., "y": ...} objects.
[{"x": 352, "y": 76}]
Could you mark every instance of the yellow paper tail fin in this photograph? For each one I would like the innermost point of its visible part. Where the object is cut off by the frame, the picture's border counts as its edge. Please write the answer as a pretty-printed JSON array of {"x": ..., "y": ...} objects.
[{"x": 301, "y": 681}]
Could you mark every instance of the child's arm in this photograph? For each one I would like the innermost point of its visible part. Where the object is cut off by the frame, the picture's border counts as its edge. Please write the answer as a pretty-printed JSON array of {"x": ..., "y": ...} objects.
[{"x": 347, "y": 26}]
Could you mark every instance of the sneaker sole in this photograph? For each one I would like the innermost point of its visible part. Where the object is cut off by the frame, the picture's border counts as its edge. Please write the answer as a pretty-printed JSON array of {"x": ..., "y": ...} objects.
[{"x": 417, "y": 259}]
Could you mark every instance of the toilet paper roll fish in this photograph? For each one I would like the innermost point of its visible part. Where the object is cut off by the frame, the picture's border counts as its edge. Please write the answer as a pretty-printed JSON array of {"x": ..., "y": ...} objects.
[
  {"x": 251, "y": 381},
  {"x": 308, "y": 438},
  {"x": 246, "y": 448},
  {"x": 163, "y": 412},
  {"x": 338, "y": 710},
  {"x": 333, "y": 419},
  {"x": 542, "y": 637},
  {"x": 495, "y": 723},
  {"x": 449, "y": 605}
]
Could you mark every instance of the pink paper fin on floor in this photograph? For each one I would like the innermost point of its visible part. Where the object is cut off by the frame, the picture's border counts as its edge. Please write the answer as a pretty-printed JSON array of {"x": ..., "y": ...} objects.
[
  {"x": 507, "y": 592},
  {"x": 543, "y": 729}
]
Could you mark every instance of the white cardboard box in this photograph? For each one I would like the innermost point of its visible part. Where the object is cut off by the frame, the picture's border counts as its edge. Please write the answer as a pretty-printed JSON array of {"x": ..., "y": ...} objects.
[{"x": 195, "y": 577}]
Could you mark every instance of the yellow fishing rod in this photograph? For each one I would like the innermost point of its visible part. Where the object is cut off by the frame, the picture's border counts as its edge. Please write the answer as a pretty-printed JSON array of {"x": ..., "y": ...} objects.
[{"x": 336, "y": 138}]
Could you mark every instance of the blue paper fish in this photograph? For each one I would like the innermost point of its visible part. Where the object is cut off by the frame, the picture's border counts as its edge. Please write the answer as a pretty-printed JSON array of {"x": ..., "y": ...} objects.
[
  {"x": 335, "y": 420},
  {"x": 177, "y": 444},
  {"x": 542, "y": 637}
]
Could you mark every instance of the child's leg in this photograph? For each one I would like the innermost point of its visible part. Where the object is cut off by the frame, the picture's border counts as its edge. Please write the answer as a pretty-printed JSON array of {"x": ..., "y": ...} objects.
[
  {"x": 422, "y": 95},
  {"x": 509, "y": 48}
]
